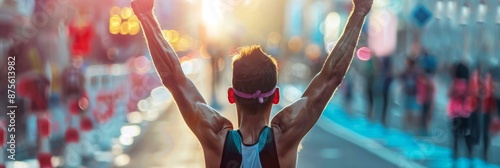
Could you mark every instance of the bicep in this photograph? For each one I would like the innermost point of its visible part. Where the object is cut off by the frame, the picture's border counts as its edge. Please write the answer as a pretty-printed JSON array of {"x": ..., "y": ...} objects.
[
  {"x": 204, "y": 121},
  {"x": 295, "y": 120}
]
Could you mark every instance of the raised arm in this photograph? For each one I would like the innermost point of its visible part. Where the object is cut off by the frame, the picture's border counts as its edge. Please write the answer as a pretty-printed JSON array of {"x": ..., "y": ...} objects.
[
  {"x": 297, "y": 119},
  {"x": 204, "y": 121}
]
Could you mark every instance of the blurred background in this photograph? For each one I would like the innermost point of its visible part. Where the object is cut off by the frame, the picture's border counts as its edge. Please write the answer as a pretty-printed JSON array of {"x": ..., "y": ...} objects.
[{"x": 423, "y": 89}]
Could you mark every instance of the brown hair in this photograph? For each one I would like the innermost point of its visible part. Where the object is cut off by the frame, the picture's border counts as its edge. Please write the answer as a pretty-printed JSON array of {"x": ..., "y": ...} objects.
[{"x": 254, "y": 70}]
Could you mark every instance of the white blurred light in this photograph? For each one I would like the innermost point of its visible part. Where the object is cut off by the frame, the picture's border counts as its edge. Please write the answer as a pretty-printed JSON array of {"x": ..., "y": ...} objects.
[
  {"x": 187, "y": 67},
  {"x": 498, "y": 14},
  {"x": 56, "y": 161},
  {"x": 439, "y": 9},
  {"x": 155, "y": 103},
  {"x": 482, "y": 10},
  {"x": 122, "y": 160},
  {"x": 126, "y": 141},
  {"x": 130, "y": 130},
  {"x": 103, "y": 156},
  {"x": 465, "y": 15},
  {"x": 380, "y": 3},
  {"x": 118, "y": 69},
  {"x": 134, "y": 117},
  {"x": 451, "y": 8},
  {"x": 332, "y": 27},
  {"x": 116, "y": 149},
  {"x": 332, "y": 20},
  {"x": 151, "y": 115},
  {"x": 292, "y": 93},
  {"x": 300, "y": 70},
  {"x": 19, "y": 164},
  {"x": 329, "y": 47},
  {"x": 143, "y": 105}
]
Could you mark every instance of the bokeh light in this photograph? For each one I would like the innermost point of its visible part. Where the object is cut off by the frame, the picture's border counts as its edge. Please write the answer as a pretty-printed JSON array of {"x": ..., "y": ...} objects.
[
  {"x": 142, "y": 65},
  {"x": 313, "y": 51},
  {"x": 295, "y": 44},
  {"x": 126, "y": 12},
  {"x": 115, "y": 10},
  {"x": 122, "y": 160},
  {"x": 364, "y": 54},
  {"x": 134, "y": 117},
  {"x": 273, "y": 38},
  {"x": 130, "y": 130},
  {"x": 124, "y": 28},
  {"x": 126, "y": 140}
]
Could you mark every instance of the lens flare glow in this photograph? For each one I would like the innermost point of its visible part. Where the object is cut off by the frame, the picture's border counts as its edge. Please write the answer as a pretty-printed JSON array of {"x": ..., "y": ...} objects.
[{"x": 364, "y": 54}]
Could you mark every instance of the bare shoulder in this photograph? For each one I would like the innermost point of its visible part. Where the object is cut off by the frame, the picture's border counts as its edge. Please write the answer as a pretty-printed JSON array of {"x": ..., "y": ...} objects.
[
  {"x": 287, "y": 123},
  {"x": 213, "y": 148}
]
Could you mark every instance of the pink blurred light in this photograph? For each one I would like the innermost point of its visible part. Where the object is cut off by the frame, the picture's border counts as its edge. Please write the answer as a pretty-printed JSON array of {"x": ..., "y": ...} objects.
[
  {"x": 142, "y": 64},
  {"x": 364, "y": 53},
  {"x": 382, "y": 33}
]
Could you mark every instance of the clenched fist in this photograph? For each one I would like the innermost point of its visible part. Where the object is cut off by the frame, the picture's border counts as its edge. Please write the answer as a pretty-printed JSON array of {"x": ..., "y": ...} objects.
[
  {"x": 362, "y": 6},
  {"x": 142, "y": 6}
]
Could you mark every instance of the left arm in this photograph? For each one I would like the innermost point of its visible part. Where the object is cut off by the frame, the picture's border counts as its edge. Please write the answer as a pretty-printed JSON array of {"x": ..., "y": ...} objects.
[
  {"x": 297, "y": 119},
  {"x": 207, "y": 124}
]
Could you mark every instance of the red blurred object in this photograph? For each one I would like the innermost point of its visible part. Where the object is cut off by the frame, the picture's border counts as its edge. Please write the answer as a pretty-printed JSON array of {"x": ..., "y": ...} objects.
[
  {"x": 72, "y": 135},
  {"x": 45, "y": 160},
  {"x": 82, "y": 36},
  {"x": 2, "y": 136},
  {"x": 74, "y": 108},
  {"x": 495, "y": 125},
  {"x": 36, "y": 89},
  {"x": 107, "y": 109},
  {"x": 86, "y": 123},
  {"x": 43, "y": 127}
]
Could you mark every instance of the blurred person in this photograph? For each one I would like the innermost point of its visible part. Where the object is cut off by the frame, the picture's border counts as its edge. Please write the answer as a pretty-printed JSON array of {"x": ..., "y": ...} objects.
[
  {"x": 427, "y": 62},
  {"x": 425, "y": 97},
  {"x": 457, "y": 108},
  {"x": 491, "y": 104},
  {"x": 217, "y": 53},
  {"x": 73, "y": 80},
  {"x": 474, "y": 101},
  {"x": 348, "y": 89},
  {"x": 384, "y": 70},
  {"x": 369, "y": 74},
  {"x": 257, "y": 142},
  {"x": 426, "y": 89},
  {"x": 409, "y": 79}
]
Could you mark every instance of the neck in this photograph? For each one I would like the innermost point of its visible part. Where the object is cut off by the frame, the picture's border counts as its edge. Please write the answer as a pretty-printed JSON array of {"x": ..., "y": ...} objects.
[{"x": 251, "y": 125}]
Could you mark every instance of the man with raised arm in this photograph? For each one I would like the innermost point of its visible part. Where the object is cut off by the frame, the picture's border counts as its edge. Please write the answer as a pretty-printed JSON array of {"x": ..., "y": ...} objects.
[{"x": 258, "y": 141}]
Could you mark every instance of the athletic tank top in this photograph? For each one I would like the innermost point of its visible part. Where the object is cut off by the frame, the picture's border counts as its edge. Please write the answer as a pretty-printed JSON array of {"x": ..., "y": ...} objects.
[{"x": 260, "y": 155}]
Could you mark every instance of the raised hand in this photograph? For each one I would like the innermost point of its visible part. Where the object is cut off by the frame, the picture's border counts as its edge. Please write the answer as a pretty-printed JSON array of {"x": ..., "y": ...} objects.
[
  {"x": 362, "y": 6},
  {"x": 142, "y": 6}
]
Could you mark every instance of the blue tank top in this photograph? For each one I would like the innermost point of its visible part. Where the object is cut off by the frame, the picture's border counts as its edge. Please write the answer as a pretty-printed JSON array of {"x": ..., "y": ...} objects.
[{"x": 260, "y": 155}]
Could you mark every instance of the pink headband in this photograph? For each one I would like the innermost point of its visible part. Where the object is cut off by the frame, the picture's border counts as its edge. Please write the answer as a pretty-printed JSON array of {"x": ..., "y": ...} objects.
[{"x": 257, "y": 94}]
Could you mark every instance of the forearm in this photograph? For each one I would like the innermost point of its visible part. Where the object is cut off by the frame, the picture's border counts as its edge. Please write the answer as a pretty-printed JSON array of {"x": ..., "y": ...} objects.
[
  {"x": 340, "y": 58},
  {"x": 164, "y": 57}
]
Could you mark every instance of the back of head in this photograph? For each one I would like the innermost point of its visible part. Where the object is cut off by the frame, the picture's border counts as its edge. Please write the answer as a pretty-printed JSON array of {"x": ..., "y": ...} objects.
[
  {"x": 254, "y": 70},
  {"x": 461, "y": 71}
]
